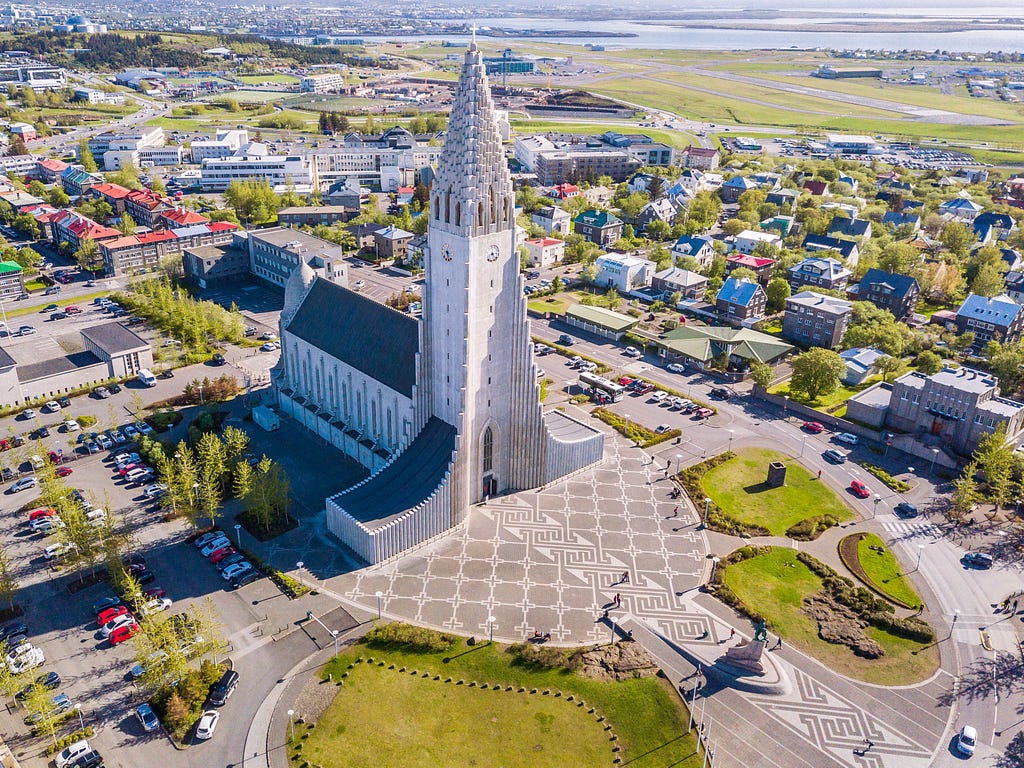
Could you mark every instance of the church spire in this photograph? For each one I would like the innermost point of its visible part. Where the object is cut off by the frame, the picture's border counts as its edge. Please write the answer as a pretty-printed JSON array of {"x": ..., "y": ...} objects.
[{"x": 472, "y": 192}]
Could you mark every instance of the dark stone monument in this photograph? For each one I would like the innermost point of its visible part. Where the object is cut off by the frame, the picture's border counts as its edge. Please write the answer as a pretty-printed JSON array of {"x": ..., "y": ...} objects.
[{"x": 776, "y": 474}]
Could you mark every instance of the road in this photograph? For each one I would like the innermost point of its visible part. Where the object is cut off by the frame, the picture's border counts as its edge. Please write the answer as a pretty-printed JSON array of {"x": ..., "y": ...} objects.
[{"x": 968, "y": 595}]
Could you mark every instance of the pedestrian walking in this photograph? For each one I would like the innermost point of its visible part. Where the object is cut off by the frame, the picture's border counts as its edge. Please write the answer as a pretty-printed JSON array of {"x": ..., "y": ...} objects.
[
  {"x": 819, "y": 474},
  {"x": 625, "y": 577},
  {"x": 732, "y": 633},
  {"x": 778, "y": 643},
  {"x": 1014, "y": 607},
  {"x": 618, "y": 599},
  {"x": 675, "y": 512}
]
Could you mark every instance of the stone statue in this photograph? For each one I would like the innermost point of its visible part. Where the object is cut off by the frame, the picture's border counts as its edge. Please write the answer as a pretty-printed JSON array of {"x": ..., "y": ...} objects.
[{"x": 747, "y": 655}]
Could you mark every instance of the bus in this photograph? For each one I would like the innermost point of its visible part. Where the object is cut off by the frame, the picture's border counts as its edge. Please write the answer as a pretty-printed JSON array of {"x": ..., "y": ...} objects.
[{"x": 600, "y": 386}]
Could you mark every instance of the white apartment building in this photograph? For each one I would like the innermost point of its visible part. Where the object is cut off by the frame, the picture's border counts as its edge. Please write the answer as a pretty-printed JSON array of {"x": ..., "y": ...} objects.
[
  {"x": 217, "y": 173},
  {"x": 225, "y": 145},
  {"x": 92, "y": 96},
  {"x": 322, "y": 83},
  {"x": 384, "y": 166},
  {"x": 34, "y": 74},
  {"x": 124, "y": 147},
  {"x": 623, "y": 272},
  {"x": 527, "y": 148}
]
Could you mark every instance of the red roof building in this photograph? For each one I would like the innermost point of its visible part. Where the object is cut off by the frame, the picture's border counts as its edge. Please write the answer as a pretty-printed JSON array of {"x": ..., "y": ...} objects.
[
  {"x": 70, "y": 227},
  {"x": 182, "y": 217},
  {"x": 564, "y": 191},
  {"x": 50, "y": 169},
  {"x": 816, "y": 187},
  {"x": 114, "y": 194},
  {"x": 146, "y": 207},
  {"x": 142, "y": 253}
]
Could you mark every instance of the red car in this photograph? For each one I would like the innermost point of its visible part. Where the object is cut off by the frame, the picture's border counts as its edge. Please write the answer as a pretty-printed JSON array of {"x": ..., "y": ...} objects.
[
  {"x": 128, "y": 468},
  {"x": 38, "y": 513},
  {"x": 64, "y": 471},
  {"x": 814, "y": 427},
  {"x": 155, "y": 593},
  {"x": 121, "y": 634},
  {"x": 111, "y": 613},
  {"x": 859, "y": 489},
  {"x": 136, "y": 568},
  {"x": 220, "y": 554}
]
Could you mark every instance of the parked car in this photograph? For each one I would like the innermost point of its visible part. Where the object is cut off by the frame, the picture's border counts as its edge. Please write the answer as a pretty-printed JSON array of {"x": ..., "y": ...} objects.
[
  {"x": 123, "y": 620},
  {"x": 566, "y": 340},
  {"x": 147, "y": 717},
  {"x": 632, "y": 352},
  {"x": 155, "y": 606},
  {"x": 52, "y": 406},
  {"x": 242, "y": 579},
  {"x": 65, "y": 402},
  {"x": 230, "y": 560},
  {"x": 967, "y": 740},
  {"x": 721, "y": 393},
  {"x": 24, "y": 484},
  {"x": 72, "y": 753},
  {"x": 859, "y": 489},
  {"x": 105, "y": 442},
  {"x": 218, "y": 555},
  {"x": 91, "y": 759},
  {"x": 214, "y": 544},
  {"x": 905, "y": 509},
  {"x": 49, "y": 681},
  {"x": 814, "y": 427},
  {"x": 218, "y": 359},
  {"x": 206, "y": 538},
  {"x": 236, "y": 570},
  {"x": 36, "y": 514},
  {"x": 13, "y": 628},
  {"x": 154, "y": 491},
  {"x": 31, "y": 659},
  {"x": 110, "y": 613},
  {"x": 28, "y": 413},
  {"x": 123, "y": 632},
  {"x": 847, "y": 437},
  {"x": 58, "y": 704},
  {"x": 104, "y": 603},
  {"x": 676, "y": 368},
  {"x": 63, "y": 471},
  {"x": 207, "y": 725},
  {"x": 221, "y": 691},
  {"x": 114, "y": 388}
]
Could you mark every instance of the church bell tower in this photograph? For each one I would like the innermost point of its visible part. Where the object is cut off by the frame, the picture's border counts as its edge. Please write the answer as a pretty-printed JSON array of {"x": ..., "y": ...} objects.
[{"x": 477, "y": 356}]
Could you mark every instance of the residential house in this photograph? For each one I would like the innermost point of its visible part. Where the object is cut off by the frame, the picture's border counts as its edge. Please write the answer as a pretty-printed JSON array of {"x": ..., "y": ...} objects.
[
  {"x": 846, "y": 248},
  {"x": 955, "y": 407},
  {"x": 748, "y": 240},
  {"x": 113, "y": 194},
  {"x": 623, "y": 272},
  {"x": 181, "y": 217},
  {"x": 817, "y": 187},
  {"x": 364, "y": 234},
  {"x": 819, "y": 272},
  {"x": 700, "y": 248},
  {"x": 146, "y": 207},
  {"x": 656, "y": 210},
  {"x": 782, "y": 197},
  {"x": 12, "y": 280},
  {"x": 1015, "y": 285},
  {"x": 897, "y": 220},
  {"x": 553, "y": 219},
  {"x": 816, "y": 320},
  {"x": 853, "y": 229},
  {"x": 76, "y": 181},
  {"x": 1012, "y": 258},
  {"x": 999, "y": 318},
  {"x": 689, "y": 285},
  {"x": 345, "y": 193},
  {"x": 741, "y": 300},
  {"x": 783, "y": 225},
  {"x": 544, "y": 251},
  {"x": 860, "y": 364},
  {"x": 731, "y": 190},
  {"x": 564, "y": 191},
  {"x": 599, "y": 227},
  {"x": 701, "y": 158},
  {"x": 72, "y": 228},
  {"x": 761, "y": 265},
  {"x": 639, "y": 182},
  {"x": 50, "y": 169},
  {"x": 850, "y": 180},
  {"x": 392, "y": 243},
  {"x": 314, "y": 215},
  {"x": 991, "y": 227},
  {"x": 961, "y": 208},
  {"x": 886, "y": 290}
]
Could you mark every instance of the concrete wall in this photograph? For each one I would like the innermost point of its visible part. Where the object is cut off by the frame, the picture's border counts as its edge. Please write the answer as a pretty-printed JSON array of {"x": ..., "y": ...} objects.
[{"x": 62, "y": 383}]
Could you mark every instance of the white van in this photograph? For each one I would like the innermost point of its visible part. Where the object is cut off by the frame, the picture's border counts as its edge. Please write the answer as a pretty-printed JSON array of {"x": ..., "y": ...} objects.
[{"x": 146, "y": 377}]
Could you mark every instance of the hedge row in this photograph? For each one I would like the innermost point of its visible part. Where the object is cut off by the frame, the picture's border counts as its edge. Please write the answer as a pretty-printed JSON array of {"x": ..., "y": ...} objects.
[
  {"x": 633, "y": 430},
  {"x": 812, "y": 527},
  {"x": 412, "y": 638},
  {"x": 895, "y": 483},
  {"x": 67, "y": 741}
]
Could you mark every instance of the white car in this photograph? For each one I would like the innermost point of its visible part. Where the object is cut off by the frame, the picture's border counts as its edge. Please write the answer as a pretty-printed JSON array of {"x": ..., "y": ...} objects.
[
  {"x": 104, "y": 441},
  {"x": 46, "y": 524},
  {"x": 71, "y": 426},
  {"x": 662, "y": 429},
  {"x": 59, "y": 549},
  {"x": 72, "y": 753},
  {"x": 156, "y": 606},
  {"x": 676, "y": 368},
  {"x": 96, "y": 517},
  {"x": 632, "y": 352},
  {"x": 206, "y": 538},
  {"x": 214, "y": 544},
  {"x": 155, "y": 491},
  {"x": 360, "y": 284},
  {"x": 143, "y": 428},
  {"x": 26, "y": 661},
  {"x": 139, "y": 475},
  {"x": 967, "y": 740},
  {"x": 847, "y": 437},
  {"x": 236, "y": 570},
  {"x": 207, "y": 725},
  {"x": 120, "y": 621},
  {"x": 52, "y": 406},
  {"x": 130, "y": 431},
  {"x": 29, "y": 413},
  {"x": 658, "y": 396}
]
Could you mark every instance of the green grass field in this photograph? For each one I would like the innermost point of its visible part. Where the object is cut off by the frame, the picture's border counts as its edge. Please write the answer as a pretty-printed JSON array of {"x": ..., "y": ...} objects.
[
  {"x": 775, "y": 585},
  {"x": 555, "y": 304},
  {"x": 884, "y": 571},
  {"x": 824, "y": 402},
  {"x": 382, "y": 717},
  {"x": 277, "y": 77},
  {"x": 739, "y": 489}
]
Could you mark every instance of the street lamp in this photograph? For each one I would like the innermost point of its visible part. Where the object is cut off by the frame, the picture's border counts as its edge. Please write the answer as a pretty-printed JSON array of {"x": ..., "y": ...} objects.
[
  {"x": 956, "y": 615},
  {"x": 334, "y": 634},
  {"x": 613, "y": 623},
  {"x": 679, "y": 458},
  {"x": 874, "y": 510},
  {"x": 785, "y": 406},
  {"x": 490, "y": 628},
  {"x": 707, "y": 507},
  {"x": 299, "y": 566},
  {"x": 730, "y": 439},
  {"x": 935, "y": 455},
  {"x": 81, "y": 722},
  {"x": 238, "y": 535},
  {"x": 920, "y": 551},
  {"x": 200, "y": 388},
  {"x": 291, "y": 725},
  {"x": 379, "y": 596}
]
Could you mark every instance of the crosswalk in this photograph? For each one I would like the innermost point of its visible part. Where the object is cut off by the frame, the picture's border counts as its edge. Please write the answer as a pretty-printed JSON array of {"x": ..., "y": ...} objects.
[{"x": 908, "y": 528}]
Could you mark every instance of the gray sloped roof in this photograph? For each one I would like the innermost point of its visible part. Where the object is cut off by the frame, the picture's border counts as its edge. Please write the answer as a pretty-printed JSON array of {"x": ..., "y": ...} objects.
[
  {"x": 405, "y": 483},
  {"x": 373, "y": 338}
]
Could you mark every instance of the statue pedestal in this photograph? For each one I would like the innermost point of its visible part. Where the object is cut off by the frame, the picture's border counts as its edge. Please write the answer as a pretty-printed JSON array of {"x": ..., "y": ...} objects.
[
  {"x": 747, "y": 667},
  {"x": 746, "y": 656}
]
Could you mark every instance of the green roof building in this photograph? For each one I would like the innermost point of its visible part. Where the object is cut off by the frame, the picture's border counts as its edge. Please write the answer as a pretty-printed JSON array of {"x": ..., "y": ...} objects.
[
  {"x": 599, "y": 321},
  {"x": 12, "y": 281},
  {"x": 699, "y": 345}
]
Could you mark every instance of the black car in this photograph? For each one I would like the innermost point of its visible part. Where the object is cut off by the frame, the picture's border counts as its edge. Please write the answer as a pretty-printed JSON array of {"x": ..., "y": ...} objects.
[
  {"x": 50, "y": 681},
  {"x": 42, "y": 432},
  {"x": 977, "y": 560},
  {"x": 88, "y": 760},
  {"x": 221, "y": 691},
  {"x": 167, "y": 374},
  {"x": 566, "y": 340},
  {"x": 114, "y": 388},
  {"x": 720, "y": 393},
  {"x": 65, "y": 402},
  {"x": 145, "y": 577},
  {"x": 905, "y": 509},
  {"x": 244, "y": 578},
  {"x": 8, "y": 474},
  {"x": 105, "y": 602},
  {"x": 218, "y": 359},
  {"x": 12, "y": 628},
  {"x": 135, "y": 559}
]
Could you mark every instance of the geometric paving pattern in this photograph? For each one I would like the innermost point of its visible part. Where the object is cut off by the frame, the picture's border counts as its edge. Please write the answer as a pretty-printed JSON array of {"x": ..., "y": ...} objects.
[{"x": 551, "y": 559}]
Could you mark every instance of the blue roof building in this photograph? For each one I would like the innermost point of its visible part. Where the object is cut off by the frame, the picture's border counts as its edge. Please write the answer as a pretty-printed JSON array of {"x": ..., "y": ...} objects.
[{"x": 999, "y": 318}]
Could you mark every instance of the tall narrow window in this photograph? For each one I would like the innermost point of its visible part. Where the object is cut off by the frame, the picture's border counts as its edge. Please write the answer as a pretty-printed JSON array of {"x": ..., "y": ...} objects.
[{"x": 488, "y": 450}]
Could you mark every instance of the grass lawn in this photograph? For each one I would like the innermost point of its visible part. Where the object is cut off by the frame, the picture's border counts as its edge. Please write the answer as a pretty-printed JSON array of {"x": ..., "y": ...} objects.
[
  {"x": 556, "y": 304},
  {"x": 382, "y": 717},
  {"x": 81, "y": 301},
  {"x": 277, "y": 77},
  {"x": 824, "y": 402},
  {"x": 884, "y": 572},
  {"x": 738, "y": 488},
  {"x": 775, "y": 584}
]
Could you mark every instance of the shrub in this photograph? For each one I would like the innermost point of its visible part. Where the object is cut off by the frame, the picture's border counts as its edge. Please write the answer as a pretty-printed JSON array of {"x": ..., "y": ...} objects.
[
  {"x": 85, "y": 421},
  {"x": 633, "y": 430},
  {"x": 895, "y": 483},
  {"x": 538, "y": 657},
  {"x": 161, "y": 421},
  {"x": 67, "y": 741},
  {"x": 179, "y": 706},
  {"x": 411, "y": 638},
  {"x": 811, "y": 528}
]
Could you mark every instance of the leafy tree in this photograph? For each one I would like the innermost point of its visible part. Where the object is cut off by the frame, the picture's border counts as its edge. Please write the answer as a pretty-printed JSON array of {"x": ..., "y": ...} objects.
[
  {"x": 928, "y": 362},
  {"x": 181, "y": 476},
  {"x": 17, "y": 147},
  {"x": 777, "y": 291},
  {"x": 268, "y": 498},
  {"x": 212, "y": 468},
  {"x": 899, "y": 258},
  {"x": 762, "y": 374},
  {"x": 734, "y": 226},
  {"x": 176, "y": 714},
  {"x": 126, "y": 226},
  {"x": 27, "y": 225},
  {"x": 253, "y": 201},
  {"x": 956, "y": 237},
  {"x": 631, "y": 205},
  {"x": 8, "y": 579},
  {"x": 995, "y": 460},
  {"x": 702, "y": 212},
  {"x": 57, "y": 197},
  {"x": 888, "y": 365},
  {"x": 816, "y": 372},
  {"x": 242, "y": 480},
  {"x": 85, "y": 157},
  {"x": 744, "y": 273},
  {"x": 988, "y": 281},
  {"x": 88, "y": 255}
]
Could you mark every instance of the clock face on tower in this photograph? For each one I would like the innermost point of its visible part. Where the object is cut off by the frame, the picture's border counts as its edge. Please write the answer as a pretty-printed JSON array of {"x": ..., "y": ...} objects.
[
  {"x": 493, "y": 253},
  {"x": 446, "y": 252}
]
